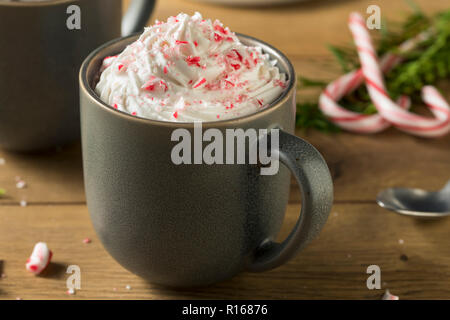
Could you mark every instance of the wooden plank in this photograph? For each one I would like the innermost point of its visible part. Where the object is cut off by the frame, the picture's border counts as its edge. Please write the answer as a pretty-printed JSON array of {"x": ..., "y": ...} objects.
[
  {"x": 53, "y": 176},
  {"x": 297, "y": 29},
  {"x": 332, "y": 267}
]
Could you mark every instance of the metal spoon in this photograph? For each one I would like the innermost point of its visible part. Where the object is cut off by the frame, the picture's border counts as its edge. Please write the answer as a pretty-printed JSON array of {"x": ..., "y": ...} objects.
[{"x": 416, "y": 202}]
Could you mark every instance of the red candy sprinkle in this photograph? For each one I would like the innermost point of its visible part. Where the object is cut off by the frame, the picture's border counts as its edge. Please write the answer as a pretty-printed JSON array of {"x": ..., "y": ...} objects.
[
  {"x": 260, "y": 102},
  {"x": 120, "y": 67},
  {"x": 236, "y": 66},
  {"x": 175, "y": 114},
  {"x": 196, "y": 43},
  {"x": 221, "y": 29},
  {"x": 164, "y": 85},
  {"x": 115, "y": 106},
  {"x": 109, "y": 57},
  {"x": 217, "y": 37},
  {"x": 229, "y": 83},
  {"x": 279, "y": 83},
  {"x": 238, "y": 55},
  {"x": 193, "y": 61},
  {"x": 239, "y": 98},
  {"x": 202, "y": 81},
  {"x": 165, "y": 69},
  {"x": 133, "y": 113},
  {"x": 181, "y": 42},
  {"x": 149, "y": 85}
]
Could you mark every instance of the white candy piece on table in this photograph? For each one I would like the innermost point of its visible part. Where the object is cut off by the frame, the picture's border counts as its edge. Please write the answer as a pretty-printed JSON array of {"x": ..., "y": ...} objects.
[
  {"x": 388, "y": 296},
  {"x": 39, "y": 259},
  {"x": 21, "y": 184}
]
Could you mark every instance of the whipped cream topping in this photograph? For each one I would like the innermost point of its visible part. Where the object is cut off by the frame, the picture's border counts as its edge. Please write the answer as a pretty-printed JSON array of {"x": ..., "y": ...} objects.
[{"x": 189, "y": 69}]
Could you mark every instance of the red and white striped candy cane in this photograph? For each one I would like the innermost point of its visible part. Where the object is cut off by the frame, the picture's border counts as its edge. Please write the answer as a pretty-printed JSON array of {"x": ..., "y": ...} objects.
[
  {"x": 388, "y": 109},
  {"x": 349, "y": 120},
  {"x": 353, "y": 121}
]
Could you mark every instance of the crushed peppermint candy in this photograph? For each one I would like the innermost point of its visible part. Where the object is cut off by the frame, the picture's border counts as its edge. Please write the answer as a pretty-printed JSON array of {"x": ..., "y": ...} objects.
[
  {"x": 87, "y": 240},
  {"x": 21, "y": 184},
  {"x": 388, "y": 296},
  {"x": 155, "y": 76},
  {"x": 39, "y": 259}
]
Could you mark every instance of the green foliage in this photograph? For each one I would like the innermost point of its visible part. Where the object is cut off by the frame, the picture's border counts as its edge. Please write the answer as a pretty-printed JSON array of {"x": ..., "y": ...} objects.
[{"x": 309, "y": 116}]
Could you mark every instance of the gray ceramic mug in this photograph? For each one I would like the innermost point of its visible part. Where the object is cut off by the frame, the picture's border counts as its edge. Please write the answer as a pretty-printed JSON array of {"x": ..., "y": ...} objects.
[
  {"x": 40, "y": 58},
  {"x": 192, "y": 225}
]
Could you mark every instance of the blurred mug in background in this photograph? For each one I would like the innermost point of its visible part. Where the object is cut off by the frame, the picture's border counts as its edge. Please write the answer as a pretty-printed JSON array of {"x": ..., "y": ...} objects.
[{"x": 43, "y": 43}]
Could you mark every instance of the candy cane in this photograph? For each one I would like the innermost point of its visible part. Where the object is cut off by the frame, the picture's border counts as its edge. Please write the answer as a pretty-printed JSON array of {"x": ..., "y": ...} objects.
[
  {"x": 350, "y": 120},
  {"x": 39, "y": 259},
  {"x": 344, "y": 85},
  {"x": 389, "y": 110}
]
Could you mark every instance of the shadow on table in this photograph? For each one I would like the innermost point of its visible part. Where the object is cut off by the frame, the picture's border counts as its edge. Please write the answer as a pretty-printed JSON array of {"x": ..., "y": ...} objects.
[
  {"x": 54, "y": 270},
  {"x": 239, "y": 287}
]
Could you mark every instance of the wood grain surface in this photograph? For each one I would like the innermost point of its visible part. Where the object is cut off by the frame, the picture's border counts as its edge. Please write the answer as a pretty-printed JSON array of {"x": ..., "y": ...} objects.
[{"x": 414, "y": 255}]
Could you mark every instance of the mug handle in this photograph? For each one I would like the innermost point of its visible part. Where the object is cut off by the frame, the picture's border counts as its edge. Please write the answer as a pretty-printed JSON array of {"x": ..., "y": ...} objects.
[
  {"x": 314, "y": 179},
  {"x": 136, "y": 16}
]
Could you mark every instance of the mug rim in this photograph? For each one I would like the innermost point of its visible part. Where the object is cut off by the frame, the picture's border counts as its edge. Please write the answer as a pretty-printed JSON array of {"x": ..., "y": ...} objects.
[
  {"x": 89, "y": 92},
  {"x": 33, "y": 3}
]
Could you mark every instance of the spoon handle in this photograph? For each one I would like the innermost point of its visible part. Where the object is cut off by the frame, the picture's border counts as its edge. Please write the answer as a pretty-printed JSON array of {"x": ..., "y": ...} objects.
[{"x": 446, "y": 188}]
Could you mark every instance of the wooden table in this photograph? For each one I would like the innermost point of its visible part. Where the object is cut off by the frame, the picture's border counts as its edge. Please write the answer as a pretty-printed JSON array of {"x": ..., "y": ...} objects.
[{"x": 414, "y": 256}]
